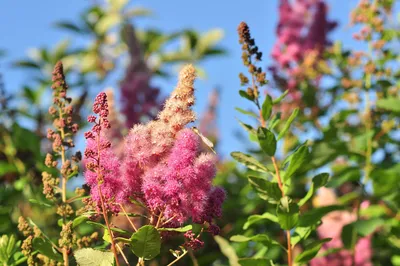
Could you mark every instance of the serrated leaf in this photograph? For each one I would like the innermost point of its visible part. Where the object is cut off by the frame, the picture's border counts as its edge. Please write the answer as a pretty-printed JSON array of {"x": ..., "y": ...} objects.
[
  {"x": 266, "y": 108},
  {"x": 267, "y": 140},
  {"x": 249, "y": 161},
  {"x": 288, "y": 123},
  {"x": 179, "y": 229},
  {"x": 296, "y": 161},
  {"x": 240, "y": 110},
  {"x": 267, "y": 190},
  {"x": 45, "y": 247},
  {"x": 146, "y": 242},
  {"x": 288, "y": 213},
  {"x": 227, "y": 250},
  {"x": 311, "y": 250},
  {"x": 255, "y": 218},
  {"x": 92, "y": 257}
]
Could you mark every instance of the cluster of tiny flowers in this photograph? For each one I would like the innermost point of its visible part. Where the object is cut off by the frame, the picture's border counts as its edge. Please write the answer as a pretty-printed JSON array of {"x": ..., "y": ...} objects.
[
  {"x": 140, "y": 100},
  {"x": 163, "y": 166},
  {"x": 250, "y": 55},
  {"x": 62, "y": 134},
  {"x": 331, "y": 227},
  {"x": 302, "y": 28},
  {"x": 102, "y": 165},
  {"x": 194, "y": 241}
]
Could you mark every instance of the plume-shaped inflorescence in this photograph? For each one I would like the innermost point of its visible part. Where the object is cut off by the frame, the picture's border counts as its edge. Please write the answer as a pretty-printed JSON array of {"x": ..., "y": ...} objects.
[
  {"x": 163, "y": 166},
  {"x": 302, "y": 30},
  {"x": 102, "y": 165},
  {"x": 140, "y": 100}
]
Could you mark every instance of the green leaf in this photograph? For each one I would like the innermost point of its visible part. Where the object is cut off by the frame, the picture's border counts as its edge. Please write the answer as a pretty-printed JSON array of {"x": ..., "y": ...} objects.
[
  {"x": 106, "y": 236},
  {"x": 267, "y": 141},
  {"x": 117, "y": 5},
  {"x": 240, "y": 110},
  {"x": 275, "y": 121},
  {"x": 288, "y": 213},
  {"x": 119, "y": 230},
  {"x": 296, "y": 161},
  {"x": 41, "y": 203},
  {"x": 45, "y": 247},
  {"x": 146, "y": 242},
  {"x": 349, "y": 236},
  {"x": 179, "y": 229},
  {"x": 249, "y": 161},
  {"x": 301, "y": 233},
  {"x": 390, "y": 104},
  {"x": 26, "y": 64},
  {"x": 260, "y": 238},
  {"x": 347, "y": 175},
  {"x": 367, "y": 227},
  {"x": 288, "y": 123},
  {"x": 253, "y": 262},
  {"x": 266, "y": 108},
  {"x": 313, "y": 216},
  {"x": 68, "y": 26},
  {"x": 318, "y": 181},
  {"x": 8, "y": 247},
  {"x": 208, "y": 40},
  {"x": 267, "y": 190},
  {"x": 311, "y": 250},
  {"x": 227, "y": 250},
  {"x": 245, "y": 95},
  {"x": 280, "y": 98},
  {"x": 107, "y": 22},
  {"x": 255, "y": 218},
  {"x": 92, "y": 257}
]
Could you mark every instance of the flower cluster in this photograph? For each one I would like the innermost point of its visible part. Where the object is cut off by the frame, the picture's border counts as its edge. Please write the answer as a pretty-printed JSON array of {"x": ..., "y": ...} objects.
[
  {"x": 302, "y": 30},
  {"x": 331, "y": 227},
  {"x": 140, "y": 101},
  {"x": 250, "y": 55},
  {"x": 101, "y": 163},
  {"x": 163, "y": 166},
  {"x": 61, "y": 136}
]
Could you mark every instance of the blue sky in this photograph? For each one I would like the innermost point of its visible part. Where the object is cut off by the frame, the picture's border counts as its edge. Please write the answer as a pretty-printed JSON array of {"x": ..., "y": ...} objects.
[{"x": 27, "y": 24}]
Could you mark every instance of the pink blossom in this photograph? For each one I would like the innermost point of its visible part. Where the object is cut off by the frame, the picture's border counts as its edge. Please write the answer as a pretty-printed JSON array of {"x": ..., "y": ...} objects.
[
  {"x": 331, "y": 227},
  {"x": 302, "y": 27},
  {"x": 163, "y": 166},
  {"x": 140, "y": 100},
  {"x": 103, "y": 166}
]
